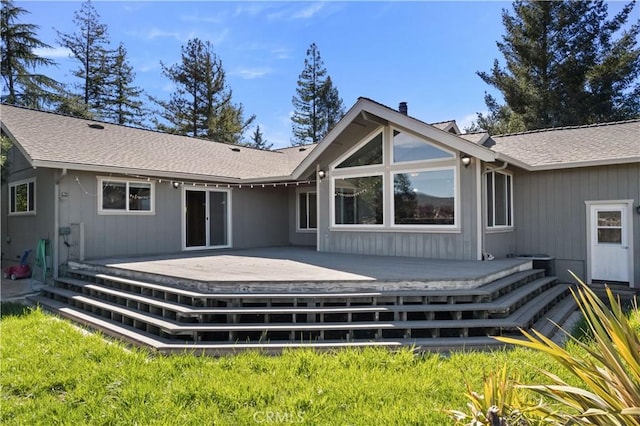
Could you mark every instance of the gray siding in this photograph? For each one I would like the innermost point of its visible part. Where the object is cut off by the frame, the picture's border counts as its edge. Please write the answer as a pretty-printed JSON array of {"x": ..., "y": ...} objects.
[
  {"x": 550, "y": 211},
  {"x": 500, "y": 243},
  {"x": 20, "y": 233},
  {"x": 298, "y": 238},
  {"x": 117, "y": 235},
  {"x": 260, "y": 217}
]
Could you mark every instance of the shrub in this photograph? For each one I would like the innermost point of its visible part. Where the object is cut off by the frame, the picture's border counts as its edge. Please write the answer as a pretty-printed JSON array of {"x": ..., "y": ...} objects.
[{"x": 608, "y": 366}]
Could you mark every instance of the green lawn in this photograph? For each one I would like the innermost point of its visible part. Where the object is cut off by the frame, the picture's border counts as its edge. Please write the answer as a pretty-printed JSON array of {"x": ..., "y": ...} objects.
[{"x": 53, "y": 373}]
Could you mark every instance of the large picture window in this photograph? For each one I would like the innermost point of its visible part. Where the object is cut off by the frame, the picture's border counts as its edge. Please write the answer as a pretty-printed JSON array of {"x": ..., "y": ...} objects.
[
  {"x": 424, "y": 197},
  {"x": 123, "y": 196},
  {"x": 22, "y": 197},
  {"x": 394, "y": 179},
  {"x": 499, "y": 194},
  {"x": 358, "y": 201},
  {"x": 307, "y": 214}
]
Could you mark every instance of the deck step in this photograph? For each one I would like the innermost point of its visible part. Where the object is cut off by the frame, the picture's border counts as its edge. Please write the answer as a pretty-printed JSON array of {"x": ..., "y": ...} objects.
[
  {"x": 504, "y": 304},
  {"x": 171, "y": 319},
  {"x": 133, "y": 336}
]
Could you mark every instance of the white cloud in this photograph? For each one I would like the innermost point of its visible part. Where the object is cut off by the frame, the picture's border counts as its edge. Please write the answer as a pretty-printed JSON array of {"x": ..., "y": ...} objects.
[
  {"x": 53, "y": 52},
  {"x": 308, "y": 12},
  {"x": 205, "y": 19},
  {"x": 251, "y": 73},
  {"x": 281, "y": 53}
]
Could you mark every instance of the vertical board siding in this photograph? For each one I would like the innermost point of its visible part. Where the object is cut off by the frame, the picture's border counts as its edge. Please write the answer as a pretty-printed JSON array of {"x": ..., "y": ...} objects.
[{"x": 550, "y": 211}]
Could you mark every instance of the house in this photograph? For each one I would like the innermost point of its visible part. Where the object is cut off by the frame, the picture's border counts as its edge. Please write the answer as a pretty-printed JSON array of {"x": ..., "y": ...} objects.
[{"x": 380, "y": 183}]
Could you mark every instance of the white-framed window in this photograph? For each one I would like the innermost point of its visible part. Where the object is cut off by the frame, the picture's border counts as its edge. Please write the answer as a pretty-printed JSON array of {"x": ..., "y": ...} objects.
[
  {"x": 358, "y": 200},
  {"x": 306, "y": 207},
  {"x": 425, "y": 197},
  {"x": 125, "y": 196},
  {"x": 396, "y": 180},
  {"x": 499, "y": 196},
  {"x": 22, "y": 197}
]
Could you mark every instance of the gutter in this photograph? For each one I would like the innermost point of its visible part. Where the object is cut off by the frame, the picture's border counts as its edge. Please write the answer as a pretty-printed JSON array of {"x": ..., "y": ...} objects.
[{"x": 56, "y": 224}]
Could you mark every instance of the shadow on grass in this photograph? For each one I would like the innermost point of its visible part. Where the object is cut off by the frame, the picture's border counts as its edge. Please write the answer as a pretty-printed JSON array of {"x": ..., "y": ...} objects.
[{"x": 14, "y": 309}]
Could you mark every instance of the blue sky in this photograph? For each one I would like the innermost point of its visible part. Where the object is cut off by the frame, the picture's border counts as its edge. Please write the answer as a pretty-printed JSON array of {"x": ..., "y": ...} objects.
[{"x": 425, "y": 53}]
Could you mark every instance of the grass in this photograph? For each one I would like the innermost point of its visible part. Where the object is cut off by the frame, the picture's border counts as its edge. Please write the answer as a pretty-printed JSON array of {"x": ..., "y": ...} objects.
[{"x": 52, "y": 373}]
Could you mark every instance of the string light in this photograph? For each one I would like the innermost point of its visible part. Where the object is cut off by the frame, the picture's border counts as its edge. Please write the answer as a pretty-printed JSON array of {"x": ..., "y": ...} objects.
[{"x": 207, "y": 185}]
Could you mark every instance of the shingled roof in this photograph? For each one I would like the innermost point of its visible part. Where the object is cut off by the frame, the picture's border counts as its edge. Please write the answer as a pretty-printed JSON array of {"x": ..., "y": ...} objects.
[
  {"x": 598, "y": 144},
  {"x": 53, "y": 140}
]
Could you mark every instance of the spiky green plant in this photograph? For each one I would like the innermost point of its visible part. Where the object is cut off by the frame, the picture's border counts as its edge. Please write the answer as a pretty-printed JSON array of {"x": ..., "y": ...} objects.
[
  {"x": 609, "y": 370},
  {"x": 501, "y": 403}
]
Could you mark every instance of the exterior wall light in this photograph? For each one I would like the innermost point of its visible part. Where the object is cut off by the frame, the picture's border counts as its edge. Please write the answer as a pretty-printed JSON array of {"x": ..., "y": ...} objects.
[
  {"x": 466, "y": 160},
  {"x": 176, "y": 185},
  {"x": 322, "y": 174}
]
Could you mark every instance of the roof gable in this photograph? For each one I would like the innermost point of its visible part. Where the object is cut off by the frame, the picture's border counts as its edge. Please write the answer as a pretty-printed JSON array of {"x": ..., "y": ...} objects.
[{"x": 384, "y": 115}]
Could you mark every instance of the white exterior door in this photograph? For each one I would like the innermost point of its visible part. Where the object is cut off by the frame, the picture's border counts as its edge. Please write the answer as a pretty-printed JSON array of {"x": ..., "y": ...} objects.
[{"x": 610, "y": 235}]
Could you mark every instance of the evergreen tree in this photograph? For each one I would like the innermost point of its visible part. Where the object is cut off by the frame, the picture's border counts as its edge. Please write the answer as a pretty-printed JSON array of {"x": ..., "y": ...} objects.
[
  {"x": 124, "y": 105},
  {"x": 201, "y": 105},
  {"x": 90, "y": 47},
  {"x": 331, "y": 105},
  {"x": 5, "y": 146},
  {"x": 565, "y": 66},
  {"x": 317, "y": 104},
  {"x": 258, "y": 141},
  {"x": 24, "y": 86}
]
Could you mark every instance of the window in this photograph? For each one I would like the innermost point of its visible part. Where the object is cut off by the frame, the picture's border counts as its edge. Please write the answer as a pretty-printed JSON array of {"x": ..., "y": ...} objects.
[
  {"x": 369, "y": 154},
  {"x": 499, "y": 194},
  {"x": 122, "y": 196},
  {"x": 424, "y": 198},
  {"x": 415, "y": 185},
  {"x": 409, "y": 148},
  {"x": 307, "y": 215},
  {"x": 610, "y": 227},
  {"x": 22, "y": 197},
  {"x": 358, "y": 201}
]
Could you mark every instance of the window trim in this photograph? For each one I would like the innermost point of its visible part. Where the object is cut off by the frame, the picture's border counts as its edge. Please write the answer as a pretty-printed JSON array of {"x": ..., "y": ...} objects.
[
  {"x": 15, "y": 184},
  {"x": 126, "y": 211},
  {"x": 427, "y": 227},
  {"x": 306, "y": 191},
  {"x": 510, "y": 216}
]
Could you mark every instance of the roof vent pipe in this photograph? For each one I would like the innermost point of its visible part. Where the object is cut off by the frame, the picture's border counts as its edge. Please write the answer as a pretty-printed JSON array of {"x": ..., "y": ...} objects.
[{"x": 403, "y": 109}]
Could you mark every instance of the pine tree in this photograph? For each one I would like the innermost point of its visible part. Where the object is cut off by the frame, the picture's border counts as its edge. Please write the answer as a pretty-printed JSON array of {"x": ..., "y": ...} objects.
[
  {"x": 565, "y": 66},
  {"x": 19, "y": 62},
  {"x": 201, "y": 105},
  {"x": 317, "y": 104},
  {"x": 124, "y": 105},
  {"x": 258, "y": 141},
  {"x": 90, "y": 47}
]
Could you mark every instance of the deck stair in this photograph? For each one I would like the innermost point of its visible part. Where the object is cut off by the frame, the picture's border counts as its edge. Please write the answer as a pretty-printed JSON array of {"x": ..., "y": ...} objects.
[{"x": 171, "y": 319}]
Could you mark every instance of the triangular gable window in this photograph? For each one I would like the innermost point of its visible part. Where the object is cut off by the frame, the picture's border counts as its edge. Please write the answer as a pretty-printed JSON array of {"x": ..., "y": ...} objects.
[
  {"x": 369, "y": 154},
  {"x": 409, "y": 148}
]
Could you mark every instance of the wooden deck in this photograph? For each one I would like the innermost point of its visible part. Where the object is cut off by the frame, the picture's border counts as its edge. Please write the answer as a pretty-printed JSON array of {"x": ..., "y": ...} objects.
[
  {"x": 289, "y": 269},
  {"x": 276, "y": 298}
]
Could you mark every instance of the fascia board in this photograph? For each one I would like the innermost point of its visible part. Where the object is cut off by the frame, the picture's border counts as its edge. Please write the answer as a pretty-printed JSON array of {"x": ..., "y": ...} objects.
[{"x": 130, "y": 171}]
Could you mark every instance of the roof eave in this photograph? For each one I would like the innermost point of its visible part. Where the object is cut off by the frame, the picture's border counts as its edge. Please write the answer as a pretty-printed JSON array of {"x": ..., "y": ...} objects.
[
  {"x": 133, "y": 172},
  {"x": 588, "y": 163}
]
